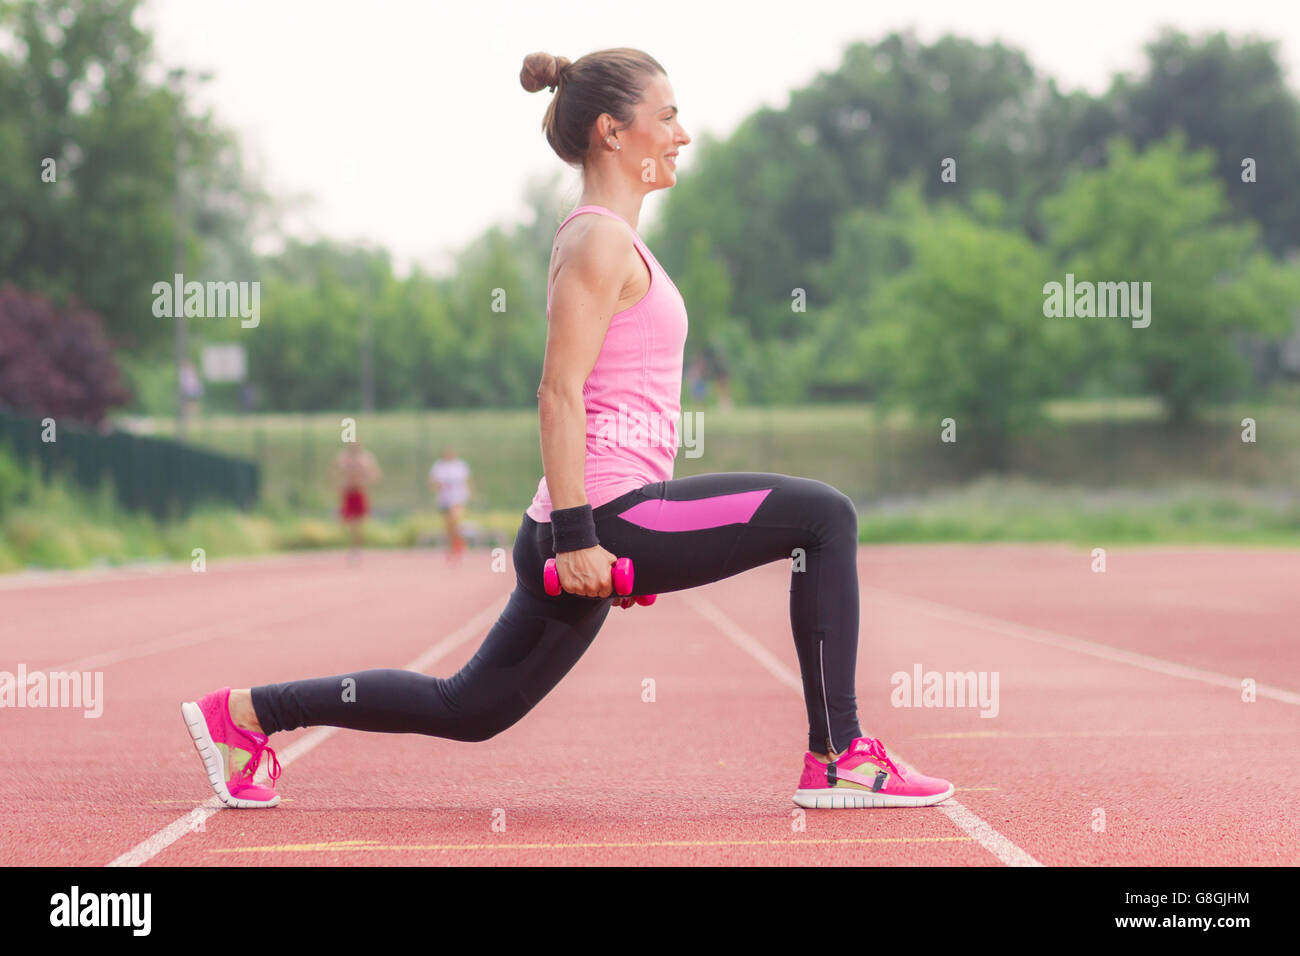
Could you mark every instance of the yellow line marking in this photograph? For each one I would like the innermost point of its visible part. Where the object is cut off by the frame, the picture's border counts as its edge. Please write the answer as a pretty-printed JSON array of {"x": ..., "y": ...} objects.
[{"x": 373, "y": 845}]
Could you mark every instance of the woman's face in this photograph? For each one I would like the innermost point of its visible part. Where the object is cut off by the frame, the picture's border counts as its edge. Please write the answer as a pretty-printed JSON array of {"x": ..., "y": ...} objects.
[{"x": 651, "y": 142}]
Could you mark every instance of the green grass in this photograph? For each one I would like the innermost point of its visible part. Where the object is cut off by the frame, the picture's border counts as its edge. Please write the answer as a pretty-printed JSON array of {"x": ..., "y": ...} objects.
[
  {"x": 991, "y": 510},
  {"x": 1099, "y": 473},
  {"x": 1092, "y": 443},
  {"x": 31, "y": 539},
  {"x": 56, "y": 524},
  {"x": 1105, "y": 409},
  {"x": 987, "y": 511},
  {"x": 1018, "y": 510}
]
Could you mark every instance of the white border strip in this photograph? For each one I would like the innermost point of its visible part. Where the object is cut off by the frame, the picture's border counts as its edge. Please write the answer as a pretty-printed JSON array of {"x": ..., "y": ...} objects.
[
  {"x": 146, "y": 850},
  {"x": 962, "y": 818}
]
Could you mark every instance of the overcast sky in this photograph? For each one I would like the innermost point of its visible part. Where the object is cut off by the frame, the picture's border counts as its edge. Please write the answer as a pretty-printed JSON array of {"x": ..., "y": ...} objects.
[{"x": 406, "y": 121}]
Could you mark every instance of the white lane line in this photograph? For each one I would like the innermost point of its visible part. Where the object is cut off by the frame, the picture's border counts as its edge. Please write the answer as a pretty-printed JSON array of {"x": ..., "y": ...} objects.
[
  {"x": 182, "y": 567},
  {"x": 962, "y": 818},
  {"x": 188, "y": 638},
  {"x": 1077, "y": 644},
  {"x": 149, "y": 848},
  {"x": 202, "y": 633},
  {"x": 143, "y": 571}
]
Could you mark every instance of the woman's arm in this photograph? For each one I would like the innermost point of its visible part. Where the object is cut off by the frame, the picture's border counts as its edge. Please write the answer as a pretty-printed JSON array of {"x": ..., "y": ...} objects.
[
  {"x": 584, "y": 296},
  {"x": 583, "y": 299}
]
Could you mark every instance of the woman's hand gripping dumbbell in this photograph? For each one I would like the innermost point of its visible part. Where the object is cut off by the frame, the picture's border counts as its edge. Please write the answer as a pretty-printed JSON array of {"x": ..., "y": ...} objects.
[{"x": 622, "y": 575}]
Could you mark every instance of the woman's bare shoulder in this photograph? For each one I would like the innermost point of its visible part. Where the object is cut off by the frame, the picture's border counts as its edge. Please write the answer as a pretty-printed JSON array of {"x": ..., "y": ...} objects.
[{"x": 594, "y": 247}]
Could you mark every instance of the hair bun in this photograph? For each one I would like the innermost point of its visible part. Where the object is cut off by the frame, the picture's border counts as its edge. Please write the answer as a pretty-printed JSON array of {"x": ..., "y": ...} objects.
[{"x": 542, "y": 69}]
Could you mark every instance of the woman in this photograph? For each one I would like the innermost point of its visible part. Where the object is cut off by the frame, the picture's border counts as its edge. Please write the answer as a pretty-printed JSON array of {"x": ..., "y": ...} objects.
[{"x": 617, "y": 327}]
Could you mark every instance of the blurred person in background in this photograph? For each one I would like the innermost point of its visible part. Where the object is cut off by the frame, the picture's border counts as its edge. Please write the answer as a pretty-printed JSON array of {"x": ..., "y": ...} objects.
[
  {"x": 697, "y": 378},
  {"x": 450, "y": 479},
  {"x": 191, "y": 389},
  {"x": 353, "y": 469}
]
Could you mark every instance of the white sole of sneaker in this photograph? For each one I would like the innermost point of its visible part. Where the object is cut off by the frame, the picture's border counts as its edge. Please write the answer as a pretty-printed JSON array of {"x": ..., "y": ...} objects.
[
  {"x": 843, "y": 798},
  {"x": 197, "y": 725}
]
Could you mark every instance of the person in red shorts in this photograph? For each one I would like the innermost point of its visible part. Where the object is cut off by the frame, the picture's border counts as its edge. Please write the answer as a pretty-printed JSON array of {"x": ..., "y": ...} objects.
[{"x": 354, "y": 468}]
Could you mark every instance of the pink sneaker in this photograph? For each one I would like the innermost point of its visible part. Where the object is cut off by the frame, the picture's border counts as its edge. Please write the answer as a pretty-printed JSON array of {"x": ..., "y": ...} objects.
[
  {"x": 864, "y": 776},
  {"x": 230, "y": 755}
]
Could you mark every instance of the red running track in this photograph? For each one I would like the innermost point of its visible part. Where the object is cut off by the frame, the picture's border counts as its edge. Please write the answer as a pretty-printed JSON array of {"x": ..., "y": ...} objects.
[{"x": 1121, "y": 734}]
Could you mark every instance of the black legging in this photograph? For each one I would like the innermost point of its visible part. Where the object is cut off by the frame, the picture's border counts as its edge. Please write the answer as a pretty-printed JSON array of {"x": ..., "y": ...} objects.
[{"x": 665, "y": 529}]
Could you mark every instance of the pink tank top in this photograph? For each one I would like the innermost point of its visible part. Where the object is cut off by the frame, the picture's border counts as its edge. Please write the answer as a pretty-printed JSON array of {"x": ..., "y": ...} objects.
[{"x": 633, "y": 394}]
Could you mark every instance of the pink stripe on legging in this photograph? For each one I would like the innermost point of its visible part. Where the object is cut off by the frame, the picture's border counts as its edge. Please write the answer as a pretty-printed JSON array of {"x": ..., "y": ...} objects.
[{"x": 665, "y": 515}]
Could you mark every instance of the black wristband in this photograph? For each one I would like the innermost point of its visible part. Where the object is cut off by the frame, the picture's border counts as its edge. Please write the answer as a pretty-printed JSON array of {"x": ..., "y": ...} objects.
[{"x": 573, "y": 529}]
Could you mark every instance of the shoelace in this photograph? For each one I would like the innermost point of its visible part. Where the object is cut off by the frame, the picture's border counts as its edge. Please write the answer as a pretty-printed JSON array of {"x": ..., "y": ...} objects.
[
  {"x": 250, "y": 768},
  {"x": 877, "y": 749}
]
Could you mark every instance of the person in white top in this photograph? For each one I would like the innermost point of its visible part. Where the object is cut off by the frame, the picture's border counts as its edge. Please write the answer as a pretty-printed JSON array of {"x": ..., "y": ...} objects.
[{"x": 450, "y": 478}]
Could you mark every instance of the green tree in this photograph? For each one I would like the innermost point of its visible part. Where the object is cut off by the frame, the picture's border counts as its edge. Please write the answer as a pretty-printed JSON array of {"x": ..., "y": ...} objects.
[
  {"x": 1232, "y": 98},
  {"x": 869, "y": 247},
  {"x": 78, "y": 91},
  {"x": 1161, "y": 217},
  {"x": 960, "y": 333},
  {"x": 497, "y": 307},
  {"x": 768, "y": 198}
]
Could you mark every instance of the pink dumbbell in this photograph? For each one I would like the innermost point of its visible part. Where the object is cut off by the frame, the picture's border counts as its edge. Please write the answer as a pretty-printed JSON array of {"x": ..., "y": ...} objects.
[
  {"x": 622, "y": 576},
  {"x": 622, "y": 581}
]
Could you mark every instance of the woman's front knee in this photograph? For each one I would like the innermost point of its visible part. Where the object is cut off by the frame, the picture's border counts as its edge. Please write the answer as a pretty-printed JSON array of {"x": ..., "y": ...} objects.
[
  {"x": 835, "y": 511},
  {"x": 846, "y": 509},
  {"x": 485, "y": 726},
  {"x": 482, "y": 733}
]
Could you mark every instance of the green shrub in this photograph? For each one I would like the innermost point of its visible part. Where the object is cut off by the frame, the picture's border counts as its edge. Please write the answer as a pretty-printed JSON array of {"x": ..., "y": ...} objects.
[{"x": 306, "y": 533}]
